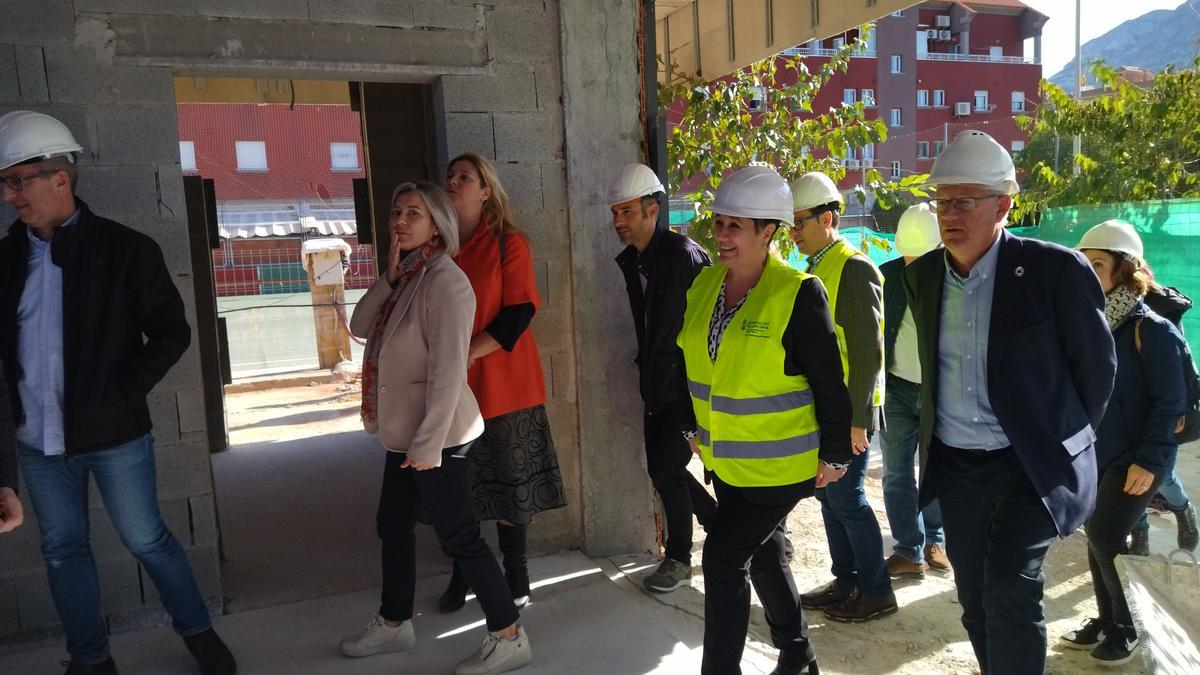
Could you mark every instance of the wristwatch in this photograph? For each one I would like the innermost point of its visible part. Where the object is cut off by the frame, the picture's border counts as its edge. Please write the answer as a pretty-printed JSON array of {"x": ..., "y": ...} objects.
[
  {"x": 836, "y": 466},
  {"x": 689, "y": 435}
]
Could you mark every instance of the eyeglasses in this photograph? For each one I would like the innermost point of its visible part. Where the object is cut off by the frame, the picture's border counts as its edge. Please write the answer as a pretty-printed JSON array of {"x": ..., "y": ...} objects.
[
  {"x": 962, "y": 204},
  {"x": 17, "y": 183}
]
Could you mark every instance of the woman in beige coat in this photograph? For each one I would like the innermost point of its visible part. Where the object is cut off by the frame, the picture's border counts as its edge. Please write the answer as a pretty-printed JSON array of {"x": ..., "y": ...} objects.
[{"x": 417, "y": 320}]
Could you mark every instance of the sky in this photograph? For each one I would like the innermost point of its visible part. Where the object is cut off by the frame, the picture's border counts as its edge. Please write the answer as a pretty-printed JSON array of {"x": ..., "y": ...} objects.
[{"x": 1099, "y": 17}]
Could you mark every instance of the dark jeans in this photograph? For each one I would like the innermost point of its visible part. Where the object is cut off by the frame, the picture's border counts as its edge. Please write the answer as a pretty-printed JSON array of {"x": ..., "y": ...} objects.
[
  {"x": 445, "y": 495},
  {"x": 667, "y": 457},
  {"x": 912, "y": 527},
  {"x": 997, "y": 534},
  {"x": 57, "y": 488},
  {"x": 1114, "y": 517},
  {"x": 744, "y": 539},
  {"x": 855, "y": 541}
]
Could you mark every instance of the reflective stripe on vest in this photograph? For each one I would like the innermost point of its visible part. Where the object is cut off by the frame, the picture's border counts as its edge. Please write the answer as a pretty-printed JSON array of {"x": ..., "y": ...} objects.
[
  {"x": 829, "y": 271},
  {"x": 757, "y": 427}
]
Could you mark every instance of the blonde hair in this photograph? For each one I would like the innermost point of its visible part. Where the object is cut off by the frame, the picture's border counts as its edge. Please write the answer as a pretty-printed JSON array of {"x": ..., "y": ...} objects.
[
  {"x": 441, "y": 211},
  {"x": 495, "y": 209}
]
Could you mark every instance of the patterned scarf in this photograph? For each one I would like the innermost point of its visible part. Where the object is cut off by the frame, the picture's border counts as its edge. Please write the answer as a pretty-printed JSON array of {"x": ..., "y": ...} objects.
[
  {"x": 409, "y": 266},
  {"x": 1118, "y": 305}
]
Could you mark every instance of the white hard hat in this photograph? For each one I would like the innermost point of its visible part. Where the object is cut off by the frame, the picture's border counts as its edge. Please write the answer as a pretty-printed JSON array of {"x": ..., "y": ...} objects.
[
  {"x": 814, "y": 189},
  {"x": 917, "y": 232},
  {"x": 631, "y": 182},
  {"x": 26, "y": 135},
  {"x": 754, "y": 192},
  {"x": 1114, "y": 235},
  {"x": 974, "y": 158}
]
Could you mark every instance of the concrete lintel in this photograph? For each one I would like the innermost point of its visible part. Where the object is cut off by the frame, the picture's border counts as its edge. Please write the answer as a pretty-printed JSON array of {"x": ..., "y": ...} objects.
[{"x": 271, "y": 47}]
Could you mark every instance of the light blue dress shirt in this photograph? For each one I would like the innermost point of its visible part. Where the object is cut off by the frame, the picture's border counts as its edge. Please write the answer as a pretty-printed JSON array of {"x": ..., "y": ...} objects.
[
  {"x": 965, "y": 418},
  {"x": 40, "y": 349}
]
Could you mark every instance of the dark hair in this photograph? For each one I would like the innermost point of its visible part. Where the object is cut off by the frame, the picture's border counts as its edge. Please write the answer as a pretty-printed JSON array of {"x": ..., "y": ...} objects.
[
  {"x": 761, "y": 224},
  {"x": 649, "y": 200},
  {"x": 1131, "y": 274}
]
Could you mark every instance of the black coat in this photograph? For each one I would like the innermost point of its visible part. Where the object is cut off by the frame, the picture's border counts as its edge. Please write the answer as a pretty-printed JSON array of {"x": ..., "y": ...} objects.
[
  {"x": 671, "y": 261},
  {"x": 123, "y": 326},
  {"x": 1050, "y": 367}
]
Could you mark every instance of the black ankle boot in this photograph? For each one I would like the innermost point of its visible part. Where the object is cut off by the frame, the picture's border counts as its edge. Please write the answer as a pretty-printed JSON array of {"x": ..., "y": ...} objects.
[
  {"x": 455, "y": 595},
  {"x": 1185, "y": 520},
  {"x": 1139, "y": 542},
  {"x": 516, "y": 572}
]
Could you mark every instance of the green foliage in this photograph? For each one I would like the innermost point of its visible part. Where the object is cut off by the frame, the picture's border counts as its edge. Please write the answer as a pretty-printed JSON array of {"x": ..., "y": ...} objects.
[
  {"x": 1137, "y": 144},
  {"x": 719, "y": 132}
]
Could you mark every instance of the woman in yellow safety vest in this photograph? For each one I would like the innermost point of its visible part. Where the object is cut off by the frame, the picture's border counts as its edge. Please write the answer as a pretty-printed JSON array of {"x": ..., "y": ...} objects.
[{"x": 772, "y": 415}]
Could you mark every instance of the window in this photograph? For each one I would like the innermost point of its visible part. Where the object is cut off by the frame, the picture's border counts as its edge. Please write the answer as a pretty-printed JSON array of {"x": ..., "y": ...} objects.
[
  {"x": 1018, "y": 146},
  {"x": 848, "y": 96},
  {"x": 897, "y": 64},
  {"x": 922, "y": 98},
  {"x": 251, "y": 155},
  {"x": 896, "y": 119},
  {"x": 759, "y": 96},
  {"x": 187, "y": 156},
  {"x": 839, "y": 42},
  {"x": 939, "y": 98},
  {"x": 1018, "y": 101},
  {"x": 895, "y": 169},
  {"x": 343, "y": 156},
  {"x": 938, "y": 147},
  {"x": 922, "y": 149},
  {"x": 868, "y": 155},
  {"x": 851, "y": 159},
  {"x": 995, "y": 53},
  {"x": 868, "y": 97},
  {"x": 981, "y": 101}
]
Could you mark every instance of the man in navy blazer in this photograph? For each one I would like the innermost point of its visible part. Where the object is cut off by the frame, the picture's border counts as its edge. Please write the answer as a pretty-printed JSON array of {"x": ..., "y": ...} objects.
[{"x": 1017, "y": 364}]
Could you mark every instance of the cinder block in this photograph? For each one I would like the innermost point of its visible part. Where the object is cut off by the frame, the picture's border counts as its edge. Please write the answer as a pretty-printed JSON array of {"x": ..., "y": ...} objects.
[
  {"x": 547, "y": 230},
  {"x": 508, "y": 87},
  {"x": 259, "y": 9},
  {"x": 76, "y": 76},
  {"x": 123, "y": 193},
  {"x": 469, "y": 131},
  {"x": 554, "y": 186},
  {"x": 31, "y": 74},
  {"x": 191, "y": 409},
  {"x": 184, "y": 470},
  {"x": 204, "y": 520},
  {"x": 186, "y": 372},
  {"x": 176, "y": 515},
  {"x": 369, "y": 12},
  {"x": 120, "y": 584},
  {"x": 528, "y": 136},
  {"x": 179, "y": 7},
  {"x": 164, "y": 414},
  {"x": 548, "y": 82},
  {"x": 139, "y": 135},
  {"x": 523, "y": 182},
  {"x": 441, "y": 15},
  {"x": 34, "y": 604},
  {"x": 10, "y": 88},
  {"x": 37, "y": 22},
  {"x": 519, "y": 35},
  {"x": 206, "y": 568},
  {"x": 171, "y": 203}
]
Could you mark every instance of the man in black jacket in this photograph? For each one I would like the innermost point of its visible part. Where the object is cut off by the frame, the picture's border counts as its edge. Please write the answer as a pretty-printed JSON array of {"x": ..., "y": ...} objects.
[
  {"x": 11, "y": 512},
  {"x": 659, "y": 266},
  {"x": 90, "y": 321}
]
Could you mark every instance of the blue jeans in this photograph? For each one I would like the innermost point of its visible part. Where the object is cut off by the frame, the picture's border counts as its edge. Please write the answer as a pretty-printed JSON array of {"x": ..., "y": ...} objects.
[
  {"x": 57, "y": 488},
  {"x": 912, "y": 527},
  {"x": 855, "y": 542},
  {"x": 1172, "y": 491}
]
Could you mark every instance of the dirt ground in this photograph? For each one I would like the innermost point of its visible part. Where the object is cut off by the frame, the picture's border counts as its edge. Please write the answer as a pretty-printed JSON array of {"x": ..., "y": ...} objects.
[{"x": 924, "y": 637}]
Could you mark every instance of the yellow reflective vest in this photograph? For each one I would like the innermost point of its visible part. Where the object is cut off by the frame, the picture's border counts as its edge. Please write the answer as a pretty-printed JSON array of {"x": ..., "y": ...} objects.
[
  {"x": 757, "y": 427},
  {"x": 829, "y": 271}
]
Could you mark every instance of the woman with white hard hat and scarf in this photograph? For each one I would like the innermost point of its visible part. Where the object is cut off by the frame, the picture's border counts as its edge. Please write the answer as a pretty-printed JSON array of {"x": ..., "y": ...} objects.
[
  {"x": 772, "y": 415},
  {"x": 1135, "y": 442}
]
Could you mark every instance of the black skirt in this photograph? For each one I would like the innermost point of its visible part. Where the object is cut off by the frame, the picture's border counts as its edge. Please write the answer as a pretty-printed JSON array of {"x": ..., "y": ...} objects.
[{"x": 514, "y": 469}]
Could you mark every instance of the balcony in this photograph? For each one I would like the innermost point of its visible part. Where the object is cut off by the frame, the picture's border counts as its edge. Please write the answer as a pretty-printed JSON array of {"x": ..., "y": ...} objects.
[
  {"x": 805, "y": 50},
  {"x": 977, "y": 58}
]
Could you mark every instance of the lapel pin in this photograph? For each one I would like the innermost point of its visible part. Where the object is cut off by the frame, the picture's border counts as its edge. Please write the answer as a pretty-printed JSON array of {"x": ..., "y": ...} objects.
[{"x": 1020, "y": 271}]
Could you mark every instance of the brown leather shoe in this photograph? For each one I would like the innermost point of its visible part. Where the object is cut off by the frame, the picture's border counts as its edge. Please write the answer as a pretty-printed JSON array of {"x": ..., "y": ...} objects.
[
  {"x": 860, "y": 608},
  {"x": 936, "y": 558},
  {"x": 902, "y": 568}
]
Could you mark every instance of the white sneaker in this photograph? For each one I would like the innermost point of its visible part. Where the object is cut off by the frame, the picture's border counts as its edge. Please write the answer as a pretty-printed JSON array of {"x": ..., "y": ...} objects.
[
  {"x": 378, "y": 637},
  {"x": 497, "y": 655}
]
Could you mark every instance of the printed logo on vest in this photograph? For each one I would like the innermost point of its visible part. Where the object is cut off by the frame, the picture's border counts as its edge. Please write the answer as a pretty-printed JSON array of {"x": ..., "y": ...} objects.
[{"x": 756, "y": 329}]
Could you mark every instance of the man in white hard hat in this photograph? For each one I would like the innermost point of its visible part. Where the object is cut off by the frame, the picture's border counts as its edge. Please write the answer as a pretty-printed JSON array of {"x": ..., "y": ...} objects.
[
  {"x": 861, "y": 589},
  {"x": 917, "y": 531},
  {"x": 90, "y": 321},
  {"x": 659, "y": 266},
  {"x": 1017, "y": 365}
]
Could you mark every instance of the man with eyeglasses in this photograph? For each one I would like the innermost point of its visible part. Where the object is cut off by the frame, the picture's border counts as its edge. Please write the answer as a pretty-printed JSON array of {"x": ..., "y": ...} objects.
[
  {"x": 1017, "y": 364},
  {"x": 90, "y": 321},
  {"x": 862, "y": 588}
]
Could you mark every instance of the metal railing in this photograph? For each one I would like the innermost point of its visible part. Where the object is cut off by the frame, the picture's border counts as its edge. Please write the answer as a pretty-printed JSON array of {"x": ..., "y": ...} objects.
[
  {"x": 802, "y": 50},
  {"x": 976, "y": 58}
]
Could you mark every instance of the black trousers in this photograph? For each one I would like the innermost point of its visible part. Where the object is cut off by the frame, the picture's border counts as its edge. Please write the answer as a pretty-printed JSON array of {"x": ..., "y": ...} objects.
[
  {"x": 667, "y": 457},
  {"x": 445, "y": 495},
  {"x": 1115, "y": 515},
  {"x": 998, "y": 532},
  {"x": 743, "y": 541}
]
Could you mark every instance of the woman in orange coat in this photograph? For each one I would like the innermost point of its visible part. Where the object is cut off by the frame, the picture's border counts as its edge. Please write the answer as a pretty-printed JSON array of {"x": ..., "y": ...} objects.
[{"x": 515, "y": 472}]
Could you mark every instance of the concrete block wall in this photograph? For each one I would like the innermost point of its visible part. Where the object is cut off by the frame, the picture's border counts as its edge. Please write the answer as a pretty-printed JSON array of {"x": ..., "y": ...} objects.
[{"x": 105, "y": 68}]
